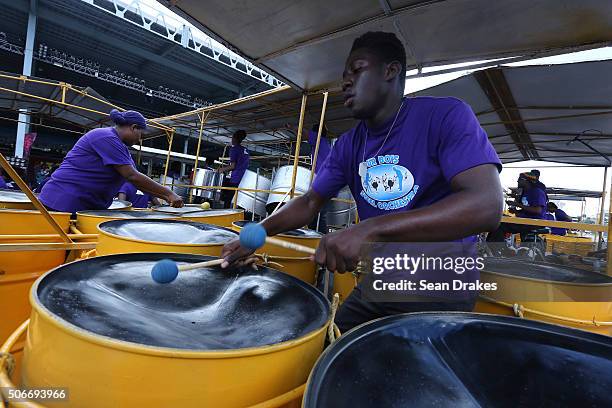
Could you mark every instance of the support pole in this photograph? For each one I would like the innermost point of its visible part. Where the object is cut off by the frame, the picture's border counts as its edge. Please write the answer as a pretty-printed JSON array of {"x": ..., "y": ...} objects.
[
  {"x": 195, "y": 168},
  {"x": 185, "y": 149},
  {"x": 170, "y": 139},
  {"x": 316, "y": 152},
  {"x": 139, "y": 156},
  {"x": 609, "y": 249},
  {"x": 298, "y": 144},
  {"x": 39, "y": 206},
  {"x": 23, "y": 126},
  {"x": 602, "y": 206}
]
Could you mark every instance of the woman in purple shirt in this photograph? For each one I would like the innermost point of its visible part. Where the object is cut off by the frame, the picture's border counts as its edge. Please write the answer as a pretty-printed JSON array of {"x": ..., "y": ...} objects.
[
  {"x": 99, "y": 163},
  {"x": 450, "y": 188},
  {"x": 531, "y": 204}
]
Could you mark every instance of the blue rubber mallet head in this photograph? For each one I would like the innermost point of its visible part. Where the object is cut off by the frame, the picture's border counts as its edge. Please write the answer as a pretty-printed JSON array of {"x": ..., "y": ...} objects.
[
  {"x": 164, "y": 271},
  {"x": 253, "y": 236}
]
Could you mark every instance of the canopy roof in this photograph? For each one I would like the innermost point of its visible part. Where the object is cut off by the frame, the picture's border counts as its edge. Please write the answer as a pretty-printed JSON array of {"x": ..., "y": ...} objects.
[
  {"x": 270, "y": 120},
  {"x": 558, "y": 113},
  {"x": 305, "y": 43},
  {"x": 81, "y": 106}
]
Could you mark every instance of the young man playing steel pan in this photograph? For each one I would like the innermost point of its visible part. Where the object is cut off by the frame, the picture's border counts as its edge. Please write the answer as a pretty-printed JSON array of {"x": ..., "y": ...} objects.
[{"x": 440, "y": 182}]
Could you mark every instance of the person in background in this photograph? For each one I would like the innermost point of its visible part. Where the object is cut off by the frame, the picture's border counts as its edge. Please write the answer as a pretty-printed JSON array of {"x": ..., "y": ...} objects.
[
  {"x": 129, "y": 192},
  {"x": 2, "y": 181},
  {"x": 324, "y": 149},
  {"x": 556, "y": 214},
  {"x": 46, "y": 179},
  {"x": 98, "y": 164},
  {"x": 239, "y": 162},
  {"x": 538, "y": 183},
  {"x": 11, "y": 184},
  {"x": 532, "y": 204}
]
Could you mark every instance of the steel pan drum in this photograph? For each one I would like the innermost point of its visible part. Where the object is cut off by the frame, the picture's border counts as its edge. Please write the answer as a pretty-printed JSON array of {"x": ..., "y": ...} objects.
[
  {"x": 18, "y": 270},
  {"x": 287, "y": 260},
  {"x": 207, "y": 177},
  {"x": 15, "y": 199},
  {"x": 462, "y": 360},
  {"x": 223, "y": 218},
  {"x": 188, "y": 208},
  {"x": 104, "y": 329},
  {"x": 120, "y": 205},
  {"x": 551, "y": 293},
  {"x": 253, "y": 201},
  {"x": 128, "y": 236},
  {"x": 88, "y": 221},
  {"x": 340, "y": 213},
  {"x": 281, "y": 183}
]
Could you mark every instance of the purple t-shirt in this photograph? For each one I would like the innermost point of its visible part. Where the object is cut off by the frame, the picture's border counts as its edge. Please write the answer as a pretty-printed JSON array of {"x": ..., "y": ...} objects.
[
  {"x": 240, "y": 156},
  {"x": 559, "y": 215},
  {"x": 86, "y": 179},
  {"x": 138, "y": 198},
  {"x": 533, "y": 197},
  {"x": 2, "y": 183},
  {"x": 433, "y": 140},
  {"x": 324, "y": 149}
]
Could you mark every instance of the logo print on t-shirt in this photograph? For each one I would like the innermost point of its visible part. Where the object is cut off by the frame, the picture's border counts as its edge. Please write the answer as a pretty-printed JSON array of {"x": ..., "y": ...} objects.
[{"x": 386, "y": 184}]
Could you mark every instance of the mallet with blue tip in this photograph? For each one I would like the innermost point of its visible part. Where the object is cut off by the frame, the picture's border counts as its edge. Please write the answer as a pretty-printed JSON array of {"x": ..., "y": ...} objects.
[{"x": 253, "y": 236}]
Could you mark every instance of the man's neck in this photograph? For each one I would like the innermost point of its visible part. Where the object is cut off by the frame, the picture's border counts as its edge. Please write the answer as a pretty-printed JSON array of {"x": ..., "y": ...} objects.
[{"x": 387, "y": 111}]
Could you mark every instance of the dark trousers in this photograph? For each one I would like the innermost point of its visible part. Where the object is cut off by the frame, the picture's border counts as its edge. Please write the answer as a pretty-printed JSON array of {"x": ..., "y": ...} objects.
[
  {"x": 355, "y": 310},
  {"x": 228, "y": 195},
  {"x": 499, "y": 234}
]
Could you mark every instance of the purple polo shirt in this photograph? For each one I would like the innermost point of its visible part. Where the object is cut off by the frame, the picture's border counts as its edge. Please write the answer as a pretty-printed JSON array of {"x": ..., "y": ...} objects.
[
  {"x": 240, "y": 156},
  {"x": 135, "y": 196},
  {"x": 86, "y": 179},
  {"x": 324, "y": 149},
  {"x": 433, "y": 140},
  {"x": 533, "y": 197}
]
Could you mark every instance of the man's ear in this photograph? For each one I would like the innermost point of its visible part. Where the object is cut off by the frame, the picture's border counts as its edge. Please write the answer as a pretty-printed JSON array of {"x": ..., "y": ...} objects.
[{"x": 392, "y": 70}]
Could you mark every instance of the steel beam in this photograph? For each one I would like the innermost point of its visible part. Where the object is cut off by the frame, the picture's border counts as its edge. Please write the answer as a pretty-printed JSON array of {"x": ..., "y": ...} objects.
[{"x": 494, "y": 85}]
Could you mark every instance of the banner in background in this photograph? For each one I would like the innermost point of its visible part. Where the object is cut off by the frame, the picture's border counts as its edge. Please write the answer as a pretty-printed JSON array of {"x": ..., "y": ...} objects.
[{"x": 28, "y": 141}]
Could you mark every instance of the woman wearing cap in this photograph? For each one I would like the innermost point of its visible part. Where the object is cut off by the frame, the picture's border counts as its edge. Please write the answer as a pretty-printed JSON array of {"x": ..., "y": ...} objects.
[{"x": 96, "y": 167}]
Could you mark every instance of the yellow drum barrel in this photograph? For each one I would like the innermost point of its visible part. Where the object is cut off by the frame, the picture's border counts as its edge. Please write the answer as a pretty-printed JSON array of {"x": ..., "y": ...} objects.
[
  {"x": 569, "y": 244},
  {"x": 224, "y": 218},
  {"x": 88, "y": 221},
  {"x": 129, "y": 236},
  {"x": 548, "y": 292},
  {"x": 344, "y": 283},
  {"x": 15, "y": 199},
  {"x": 104, "y": 329},
  {"x": 18, "y": 270},
  {"x": 287, "y": 260}
]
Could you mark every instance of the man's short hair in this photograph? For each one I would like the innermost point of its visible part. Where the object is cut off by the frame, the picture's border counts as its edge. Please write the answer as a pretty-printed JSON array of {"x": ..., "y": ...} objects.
[
  {"x": 384, "y": 45},
  {"x": 240, "y": 134},
  {"x": 552, "y": 205},
  {"x": 536, "y": 173}
]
